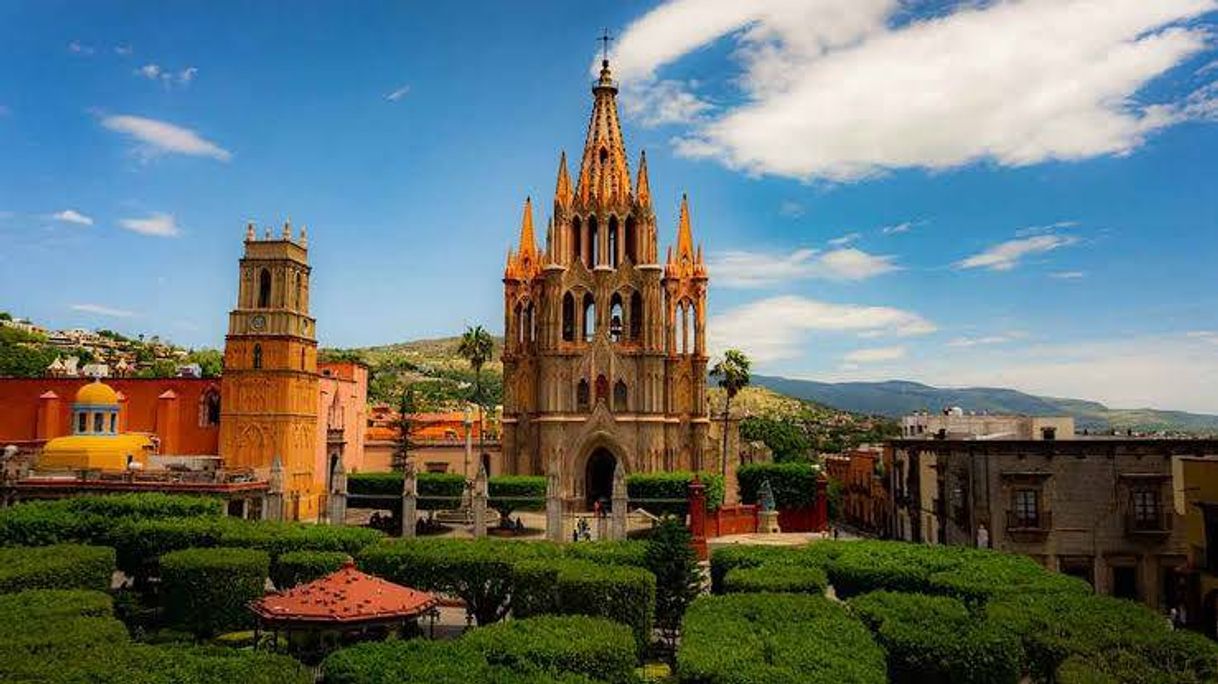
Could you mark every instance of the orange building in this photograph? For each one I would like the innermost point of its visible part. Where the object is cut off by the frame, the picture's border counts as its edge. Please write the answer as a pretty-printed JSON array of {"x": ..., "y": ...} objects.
[
  {"x": 438, "y": 441},
  {"x": 860, "y": 473}
]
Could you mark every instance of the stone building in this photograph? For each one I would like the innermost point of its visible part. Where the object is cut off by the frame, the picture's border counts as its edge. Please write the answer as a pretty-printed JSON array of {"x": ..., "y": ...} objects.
[
  {"x": 1101, "y": 509},
  {"x": 605, "y": 353},
  {"x": 954, "y": 423}
]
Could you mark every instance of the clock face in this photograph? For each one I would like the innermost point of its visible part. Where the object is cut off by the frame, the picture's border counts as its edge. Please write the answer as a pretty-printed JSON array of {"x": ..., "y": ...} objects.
[{"x": 258, "y": 322}]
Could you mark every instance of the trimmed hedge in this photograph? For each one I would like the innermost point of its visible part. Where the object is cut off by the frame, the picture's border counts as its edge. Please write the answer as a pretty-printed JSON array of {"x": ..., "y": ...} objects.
[
  {"x": 620, "y": 593},
  {"x": 437, "y": 491},
  {"x": 624, "y": 552},
  {"x": 49, "y": 604},
  {"x": 427, "y": 662},
  {"x": 299, "y": 567},
  {"x": 277, "y": 538},
  {"x": 145, "y": 505},
  {"x": 508, "y": 493},
  {"x": 936, "y": 640},
  {"x": 793, "y": 483},
  {"x": 89, "y": 519},
  {"x": 983, "y": 576},
  {"x": 727, "y": 558},
  {"x": 776, "y": 578},
  {"x": 777, "y": 639},
  {"x": 1181, "y": 657},
  {"x": 206, "y": 590},
  {"x": 672, "y": 485},
  {"x": 593, "y": 647},
  {"x": 863, "y": 567},
  {"x": 65, "y": 566}
]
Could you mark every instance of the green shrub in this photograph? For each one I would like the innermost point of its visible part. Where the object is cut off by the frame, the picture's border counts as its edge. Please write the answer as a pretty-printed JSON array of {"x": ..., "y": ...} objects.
[
  {"x": 277, "y": 538},
  {"x": 40, "y": 605},
  {"x": 593, "y": 647},
  {"x": 206, "y": 590},
  {"x": 41, "y": 523},
  {"x": 426, "y": 662},
  {"x": 534, "y": 588},
  {"x": 863, "y": 567},
  {"x": 724, "y": 559},
  {"x": 983, "y": 576},
  {"x": 670, "y": 557},
  {"x": 777, "y": 639},
  {"x": 935, "y": 639},
  {"x": 625, "y": 552},
  {"x": 437, "y": 491},
  {"x": 776, "y": 578},
  {"x": 793, "y": 483},
  {"x": 140, "y": 543},
  {"x": 673, "y": 487},
  {"x": 1180, "y": 657},
  {"x": 299, "y": 567},
  {"x": 89, "y": 519},
  {"x": 146, "y": 505},
  {"x": 621, "y": 593},
  {"x": 65, "y": 566},
  {"x": 508, "y": 493}
]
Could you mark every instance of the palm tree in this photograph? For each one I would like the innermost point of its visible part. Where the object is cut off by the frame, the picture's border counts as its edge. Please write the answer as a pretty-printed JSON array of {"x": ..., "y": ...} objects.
[
  {"x": 732, "y": 372},
  {"x": 476, "y": 346}
]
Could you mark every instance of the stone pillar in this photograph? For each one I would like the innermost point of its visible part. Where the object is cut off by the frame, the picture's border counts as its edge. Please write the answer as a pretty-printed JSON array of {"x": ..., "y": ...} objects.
[
  {"x": 554, "y": 504},
  {"x": 697, "y": 517},
  {"x": 822, "y": 502},
  {"x": 620, "y": 502},
  {"x": 479, "y": 501},
  {"x": 410, "y": 500},
  {"x": 273, "y": 510},
  {"x": 337, "y": 503}
]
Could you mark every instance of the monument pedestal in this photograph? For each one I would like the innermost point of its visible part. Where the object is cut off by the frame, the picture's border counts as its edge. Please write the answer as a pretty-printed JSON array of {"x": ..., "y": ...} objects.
[{"x": 767, "y": 522}]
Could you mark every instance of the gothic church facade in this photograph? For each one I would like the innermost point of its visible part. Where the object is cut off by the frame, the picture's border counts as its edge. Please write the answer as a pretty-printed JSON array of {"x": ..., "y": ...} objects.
[{"x": 605, "y": 345}]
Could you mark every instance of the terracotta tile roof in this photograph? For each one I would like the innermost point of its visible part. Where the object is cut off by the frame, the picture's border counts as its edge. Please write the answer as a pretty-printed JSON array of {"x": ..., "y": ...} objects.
[{"x": 345, "y": 596}]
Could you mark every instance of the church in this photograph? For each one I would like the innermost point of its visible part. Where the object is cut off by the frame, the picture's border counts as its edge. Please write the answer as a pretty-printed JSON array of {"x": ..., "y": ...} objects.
[{"x": 604, "y": 356}]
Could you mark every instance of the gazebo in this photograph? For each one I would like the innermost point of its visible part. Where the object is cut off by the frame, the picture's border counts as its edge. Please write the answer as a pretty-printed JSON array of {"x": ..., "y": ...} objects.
[{"x": 342, "y": 607}]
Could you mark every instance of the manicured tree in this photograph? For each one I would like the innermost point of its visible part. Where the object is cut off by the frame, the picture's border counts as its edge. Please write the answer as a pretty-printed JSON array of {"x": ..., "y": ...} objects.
[
  {"x": 207, "y": 590},
  {"x": 476, "y": 347},
  {"x": 671, "y": 558},
  {"x": 402, "y": 443},
  {"x": 732, "y": 372}
]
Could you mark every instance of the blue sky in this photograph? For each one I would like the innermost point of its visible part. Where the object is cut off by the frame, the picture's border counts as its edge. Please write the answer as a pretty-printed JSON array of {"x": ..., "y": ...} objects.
[{"x": 1005, "y": 193}]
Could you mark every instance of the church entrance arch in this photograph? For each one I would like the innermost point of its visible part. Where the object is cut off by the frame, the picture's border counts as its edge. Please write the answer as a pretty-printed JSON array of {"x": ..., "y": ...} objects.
[{"x": 598, "y": 478}]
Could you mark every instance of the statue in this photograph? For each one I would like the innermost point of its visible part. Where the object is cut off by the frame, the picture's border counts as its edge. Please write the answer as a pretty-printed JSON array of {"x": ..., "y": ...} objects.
[
  {"x": 767, "y": 517},
  {"x": 765, "y": 496}
]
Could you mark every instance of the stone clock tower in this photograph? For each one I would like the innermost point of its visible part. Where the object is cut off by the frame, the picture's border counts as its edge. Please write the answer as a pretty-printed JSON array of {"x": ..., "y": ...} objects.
[{"x": 269, "y": 388}]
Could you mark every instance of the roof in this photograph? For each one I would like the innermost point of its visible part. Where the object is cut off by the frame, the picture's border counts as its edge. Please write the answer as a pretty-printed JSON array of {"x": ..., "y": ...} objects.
[
  {"x": 94, "y": 452},
  {"x": 97, "y": 393},
  {"x": 344, "y": 597}
]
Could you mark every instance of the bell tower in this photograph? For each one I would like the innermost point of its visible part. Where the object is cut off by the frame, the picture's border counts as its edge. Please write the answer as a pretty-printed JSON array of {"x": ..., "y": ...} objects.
[{"x": 269, "y": 389}]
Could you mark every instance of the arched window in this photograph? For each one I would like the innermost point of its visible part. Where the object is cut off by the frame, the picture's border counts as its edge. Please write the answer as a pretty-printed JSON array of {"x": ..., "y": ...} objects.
[
  {"x": 636, "y": 316},
  {"x": 615, "y": 317},
  {"x": 619, "y": 396},
  {"x": 257, "y": 356},
  {"x": 589, "y": 317},
  {"x": 695, "y": 326},
  {"x": 299, "y": 292},
  {"x": 577, "y": 250},
  {"x": 264, "y": 289},
  {"x": 302, "y": 358},
  {"x": 581, "y": 395},
  {"x": 209, "y": 408},
  {"x": 568, "y": 318},
  {"x": 594, "y": 244},
  {"x": 530, "y": 324},
  {"x": 99, "y": 422},
  {"x": 613, "y": 241},
  {"x": 685, "y": 330},
  {"x": 632, "y": 240},
  {"x": 519, "y": 318},
  {"x": 82, "y": 422}
]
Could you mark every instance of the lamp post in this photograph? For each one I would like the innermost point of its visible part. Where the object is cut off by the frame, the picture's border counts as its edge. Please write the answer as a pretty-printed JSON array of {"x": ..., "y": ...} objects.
[{"x": 469, "y": 440}]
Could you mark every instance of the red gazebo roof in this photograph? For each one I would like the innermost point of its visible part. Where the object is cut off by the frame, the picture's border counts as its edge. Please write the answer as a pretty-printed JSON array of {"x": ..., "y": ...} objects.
[{"x": 343, "y": 597}]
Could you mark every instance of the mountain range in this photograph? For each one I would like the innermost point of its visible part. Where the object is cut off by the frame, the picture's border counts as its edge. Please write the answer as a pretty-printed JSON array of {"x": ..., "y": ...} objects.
[{"x": 896, "y": 398}]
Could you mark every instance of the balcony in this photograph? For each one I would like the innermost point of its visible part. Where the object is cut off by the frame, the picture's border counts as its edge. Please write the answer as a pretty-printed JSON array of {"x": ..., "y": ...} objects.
[
  {"x": 1157, "y": 524},
  {"x": 1040, "y": 523}
]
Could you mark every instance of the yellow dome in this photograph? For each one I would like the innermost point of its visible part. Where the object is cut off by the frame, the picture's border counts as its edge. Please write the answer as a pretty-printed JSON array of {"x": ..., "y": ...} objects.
[
  {"x": 94, "y": 452},
  {"x": 97, "y": 393}
]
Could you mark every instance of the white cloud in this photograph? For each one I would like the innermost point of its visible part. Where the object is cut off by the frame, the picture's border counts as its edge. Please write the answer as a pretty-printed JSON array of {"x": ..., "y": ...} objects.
[
  {"x": 791, "y": 209},
  {"x": 155, "y": 72},
  {"x": 757, "y": 269},
  {"x": 1068, "y": 275},
  {"x": 658, "y": 103},
  {"x": 149, "y": 71},
  {"x": 187, "y": 75},
  {"x": 897, "y": 228},
  {"x": 78, "y": 48},
  {"x": 1005, "y": 256},
  {"x": 398, "y": 93},
  {"x": 100, "y": 310},
  {"x": 874, "y": 355},
  {"x": 123, "y": 50},
  {"x": 157, "y": 225},
  {"x": 838, "y": 89},
  {"x": 157, "y": 137},
  {"x": 72, "y": 216},
  {"x": 979, "y": 341},
  {"x": 778, "y": 327},
  {"x": 1204, "y": 335},
  {"x": 845, "y": 239}
]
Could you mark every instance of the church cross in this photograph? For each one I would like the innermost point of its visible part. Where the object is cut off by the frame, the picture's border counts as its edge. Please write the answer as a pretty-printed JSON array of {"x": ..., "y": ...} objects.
[{"x": 604, "y": 40}]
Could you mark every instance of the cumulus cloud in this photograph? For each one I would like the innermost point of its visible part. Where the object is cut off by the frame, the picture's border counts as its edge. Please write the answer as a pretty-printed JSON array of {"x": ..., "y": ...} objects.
[
  {"x": 155, "y": 72},
  {"x": 746, "y": 269},
  {"x": 72, "y": 216},
  {"x": 1007, "y": 255},
  {"x": 778, "y": 327},
  {"x": 874, "y": 355},
  {"x": 99, "y": 310},
  {"x": 845, "y": 239},
  {"x": 160, "y": 137},
  {"x": 841, "y": 90},
  {"x": 658, "y": 103},
  {"x": 78, "y": 48},
  {"x": 897, "y": 228},
  {"x": 156, "y": 225},
  {"x": 397, "y": 93}
]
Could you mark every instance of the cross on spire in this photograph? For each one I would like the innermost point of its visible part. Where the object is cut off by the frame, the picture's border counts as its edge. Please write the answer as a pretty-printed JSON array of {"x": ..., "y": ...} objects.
[{"x": 604, "y": 40}]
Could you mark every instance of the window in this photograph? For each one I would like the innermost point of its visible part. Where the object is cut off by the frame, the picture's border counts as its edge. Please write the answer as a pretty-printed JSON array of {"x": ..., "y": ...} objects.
[
  {"x": 615, "y": 317},
  {"x": 99, "y": 422},
  {"x": 82, "y": 421},
  {"x": 594, "y": 244},
  {"x": 209, "y": 409},
  {"x": 1048, "y": 433},
  {"x": 519, "y": 317},
  {"x": 1026, "y": 508},
  {"x": 613, "y": 241},
  {"x": 602, "y": 388},
  {"x": 577, "y": 252},
  {"x": 636, "y": 316},
  {"x": 1146, "y": 508},
  {"x": 264, "y": 289},
  {"x": 257, "y": 356},
  {"x": 530, "y": 324},
  {"x": 619, "y": 396},
  {"x": 582, "y": 395},
  {"x": 114, "y": 422},
  {"x": 589, "y": 317},
  {"x": 631, "y": 240},
  {"x": 568, "y": 318}
]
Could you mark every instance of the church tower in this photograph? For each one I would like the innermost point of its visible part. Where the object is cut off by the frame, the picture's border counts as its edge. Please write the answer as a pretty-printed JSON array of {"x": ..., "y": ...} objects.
[
  {"x": 604, "y": 355},
  {"x": 269, "y": 388}
]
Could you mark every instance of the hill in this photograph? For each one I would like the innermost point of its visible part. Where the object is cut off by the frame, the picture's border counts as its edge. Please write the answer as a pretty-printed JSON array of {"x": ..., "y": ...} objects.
[{"x": 895, "y": 398}]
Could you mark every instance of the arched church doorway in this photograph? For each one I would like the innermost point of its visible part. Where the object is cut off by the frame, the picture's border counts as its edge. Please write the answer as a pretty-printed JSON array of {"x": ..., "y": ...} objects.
[{"x": 598, "y": 478}]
